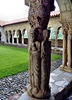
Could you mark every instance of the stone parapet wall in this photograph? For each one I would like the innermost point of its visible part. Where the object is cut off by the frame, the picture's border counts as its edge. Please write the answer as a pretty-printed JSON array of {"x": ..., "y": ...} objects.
[
  {"x": 59, "y": 43},
  {"x": 26, "y": 41}
]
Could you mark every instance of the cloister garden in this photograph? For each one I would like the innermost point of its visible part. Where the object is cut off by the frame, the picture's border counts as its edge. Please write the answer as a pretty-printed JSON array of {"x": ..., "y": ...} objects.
[{"x": 14, "y": 60}]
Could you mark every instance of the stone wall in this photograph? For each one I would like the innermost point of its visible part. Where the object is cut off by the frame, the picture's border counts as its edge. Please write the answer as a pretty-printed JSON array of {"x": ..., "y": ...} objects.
[
  {"x": 54, "y": 22},
  {"x": 2, "y": 33}
]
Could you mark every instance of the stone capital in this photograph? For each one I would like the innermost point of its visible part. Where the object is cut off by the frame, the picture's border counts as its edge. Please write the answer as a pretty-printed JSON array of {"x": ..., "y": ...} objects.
[
  {"x": 65, "y": 28},
  {"x": 70, "y": 28}
]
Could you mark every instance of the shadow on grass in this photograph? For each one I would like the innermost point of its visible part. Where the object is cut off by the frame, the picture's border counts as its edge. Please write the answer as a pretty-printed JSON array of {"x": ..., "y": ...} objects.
[{"x": 13, "y": 70}]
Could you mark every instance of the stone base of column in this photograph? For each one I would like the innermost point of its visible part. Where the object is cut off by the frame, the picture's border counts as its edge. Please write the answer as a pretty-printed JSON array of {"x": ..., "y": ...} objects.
[
  {"x": 66, "y": 69},
  {"x": 39, "y": 94}
]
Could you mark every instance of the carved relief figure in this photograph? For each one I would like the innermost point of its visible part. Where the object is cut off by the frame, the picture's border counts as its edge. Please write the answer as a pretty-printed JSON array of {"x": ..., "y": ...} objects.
[
  {"x": 46, "y": 62},
  {"x": 34, "y": 63},
  {"x": 39, "y": 48}
]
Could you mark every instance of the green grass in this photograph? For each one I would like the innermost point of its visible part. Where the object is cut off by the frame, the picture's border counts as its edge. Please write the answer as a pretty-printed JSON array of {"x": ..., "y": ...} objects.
[
  {"x": 15, "y": 60},
  {"x": 55, "y": 56}
]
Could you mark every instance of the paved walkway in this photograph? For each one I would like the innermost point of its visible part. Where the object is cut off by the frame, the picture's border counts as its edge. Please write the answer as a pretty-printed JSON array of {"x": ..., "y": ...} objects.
[
  {"x": 11, "y": 88},
  {"x": 60, "y": 83}
]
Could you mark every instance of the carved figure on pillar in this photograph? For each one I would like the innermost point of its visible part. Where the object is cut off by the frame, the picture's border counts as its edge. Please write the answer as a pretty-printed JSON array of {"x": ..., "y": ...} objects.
[
  {"x": 45, "y": 62},
  {"x": 39, "y": 48}
]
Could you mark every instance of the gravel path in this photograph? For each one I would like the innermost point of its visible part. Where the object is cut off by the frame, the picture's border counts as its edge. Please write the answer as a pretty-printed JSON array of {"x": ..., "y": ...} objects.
[{"x": 11, "y": 88}]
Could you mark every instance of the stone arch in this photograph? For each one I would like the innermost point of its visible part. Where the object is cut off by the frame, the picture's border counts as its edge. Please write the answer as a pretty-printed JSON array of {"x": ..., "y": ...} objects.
[
  {"x": 23, "y": 32},
  {"x": 59, "y": 37},
  {"x": 0, "y": 36},
  {"x": 52, "y": 33},
  {"x": 25, "y": 37},
  {"x": 59, "y": 32},
  {"x": 52, "y": 36},
  {"x": 19, "y": 35},
  {"x": 65, "y": 9}
]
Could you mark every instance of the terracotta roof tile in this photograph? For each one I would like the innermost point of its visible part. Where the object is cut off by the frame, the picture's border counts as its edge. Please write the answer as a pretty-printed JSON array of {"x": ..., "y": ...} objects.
[
  {"x": 16, "y": 21},
  {"x": 3, "y": 23},
  {"x": 55, "y": 13}
]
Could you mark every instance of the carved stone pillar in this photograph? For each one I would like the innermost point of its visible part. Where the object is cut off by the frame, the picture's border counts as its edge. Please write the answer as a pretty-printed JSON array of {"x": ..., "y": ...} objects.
[
  {"x": 65, "y": 34},
  {"x": 39, "y": 48},
  {"x": 67, "y": 50},
  {"x": 70, "y": 48}
]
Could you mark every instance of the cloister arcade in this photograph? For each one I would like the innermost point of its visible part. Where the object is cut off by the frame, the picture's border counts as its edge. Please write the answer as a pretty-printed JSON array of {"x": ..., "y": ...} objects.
[
  {"x": 21, "y": 37},
  {"x": 16, "y": 37},
  {"x": 56, "y": 38},
  {"x": 18, "y": 34}
]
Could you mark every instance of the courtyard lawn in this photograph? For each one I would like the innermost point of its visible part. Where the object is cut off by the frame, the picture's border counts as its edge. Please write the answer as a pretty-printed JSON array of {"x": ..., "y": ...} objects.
[{"x": 14, "y": 60}]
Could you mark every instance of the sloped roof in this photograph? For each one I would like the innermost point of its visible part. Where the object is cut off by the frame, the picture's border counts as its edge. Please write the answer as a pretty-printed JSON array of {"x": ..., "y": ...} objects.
[
  {"x": 3, "y": 23},
  {"x": 16, "y": 21}
]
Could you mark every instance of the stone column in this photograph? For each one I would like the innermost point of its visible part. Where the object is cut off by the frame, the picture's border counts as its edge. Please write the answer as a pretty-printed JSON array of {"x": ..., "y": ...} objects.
[
  {"x": 65, "y": 50},
  {"x": 65, "y": 34},
  {"x": 70, "y": 51},
  {"x": 8, "y": 38},
  {"x": 22, "y": 38},
  {"x": 12, "y": 38},
  {"x": 17, "y": 40},
  {"x": 39, "y": 48},
  {"x": 70, "y": 48},
  {"x": 55, "y": 40},
  {"x": 17, "y": 37}
]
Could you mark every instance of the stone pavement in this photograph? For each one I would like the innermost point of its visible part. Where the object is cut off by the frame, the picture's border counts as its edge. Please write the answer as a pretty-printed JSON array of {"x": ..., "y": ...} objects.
[
  {"x": 60, "y": 83},
  {"x": 11, "y": 88}
]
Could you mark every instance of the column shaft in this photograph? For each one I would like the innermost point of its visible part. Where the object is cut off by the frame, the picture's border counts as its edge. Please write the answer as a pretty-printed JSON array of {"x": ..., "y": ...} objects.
[
  {"x": 69, "y": 51},
  {"x": 12, "y": 39},
  {"x": 56, "y": 40},
  {"x": 64, "y": 50},
  {"x": 8, "y": 38}
]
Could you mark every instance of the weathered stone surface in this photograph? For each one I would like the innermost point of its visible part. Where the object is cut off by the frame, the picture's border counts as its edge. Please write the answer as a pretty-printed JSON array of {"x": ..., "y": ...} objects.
[
  {"x": 59, "y": 87},
  {"x": 39, "y": 48},
  {"x": 39, "y": 65},
  {"x": 67, "y": 43}
]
